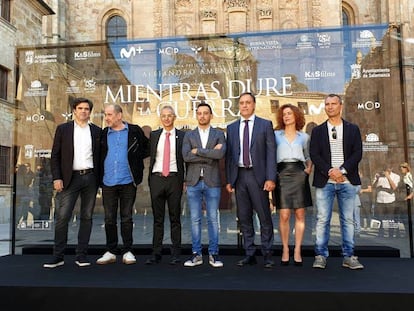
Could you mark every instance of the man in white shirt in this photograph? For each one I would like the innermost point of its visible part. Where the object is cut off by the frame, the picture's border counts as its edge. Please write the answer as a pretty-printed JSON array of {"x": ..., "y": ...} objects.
[
  {"x": 166, "y": 184},
  {"x": 75, "y": 171},
  {"x": 203, "y": 147}
]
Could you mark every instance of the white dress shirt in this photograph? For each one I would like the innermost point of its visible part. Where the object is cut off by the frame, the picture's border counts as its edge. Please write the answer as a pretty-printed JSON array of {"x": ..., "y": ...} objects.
[{"x": 160, "y": 152}]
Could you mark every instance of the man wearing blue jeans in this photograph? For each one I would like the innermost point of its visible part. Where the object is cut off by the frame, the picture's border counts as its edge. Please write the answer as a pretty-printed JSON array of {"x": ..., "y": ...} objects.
[
  {"x": 335, "y": 150},
  {"x": 203, "y": 147}
]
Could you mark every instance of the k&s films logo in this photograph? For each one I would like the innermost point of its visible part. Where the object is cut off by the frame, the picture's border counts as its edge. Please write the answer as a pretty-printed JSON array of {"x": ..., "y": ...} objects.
[
  {"x": 319, "y": 74},
  {"x": 84, "y": 55}
]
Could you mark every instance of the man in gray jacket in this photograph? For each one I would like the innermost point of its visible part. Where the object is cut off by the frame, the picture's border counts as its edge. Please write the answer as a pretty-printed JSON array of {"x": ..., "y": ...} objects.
[{"x": 203, "y": 147}]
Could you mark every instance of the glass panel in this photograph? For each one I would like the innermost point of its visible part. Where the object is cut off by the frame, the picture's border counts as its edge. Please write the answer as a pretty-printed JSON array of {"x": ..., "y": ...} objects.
[{"x": 297, "y": 66}]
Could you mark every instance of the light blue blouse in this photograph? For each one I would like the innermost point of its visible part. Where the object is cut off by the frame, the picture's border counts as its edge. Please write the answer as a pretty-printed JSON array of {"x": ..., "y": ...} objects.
[{"x": 297, "y": 150}]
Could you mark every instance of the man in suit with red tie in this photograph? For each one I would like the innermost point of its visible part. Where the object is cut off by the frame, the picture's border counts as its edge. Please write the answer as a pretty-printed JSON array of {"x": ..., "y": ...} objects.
[
  {"x": 166, "y": 177},
  {"x": 251, "y": 173}
]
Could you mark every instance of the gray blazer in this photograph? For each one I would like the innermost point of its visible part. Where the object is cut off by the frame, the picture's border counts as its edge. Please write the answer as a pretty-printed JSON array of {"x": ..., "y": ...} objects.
[{"x": 206, "y": 158}]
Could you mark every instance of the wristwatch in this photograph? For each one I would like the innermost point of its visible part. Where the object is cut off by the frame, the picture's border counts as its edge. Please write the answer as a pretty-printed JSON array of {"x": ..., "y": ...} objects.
[{"x": 343, "y": 170}]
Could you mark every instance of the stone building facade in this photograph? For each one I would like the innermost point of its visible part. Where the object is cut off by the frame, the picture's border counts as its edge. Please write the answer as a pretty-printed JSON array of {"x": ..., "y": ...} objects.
[
  {"x": 85, "y": 21},
  {"x": 20, "y": 24}
]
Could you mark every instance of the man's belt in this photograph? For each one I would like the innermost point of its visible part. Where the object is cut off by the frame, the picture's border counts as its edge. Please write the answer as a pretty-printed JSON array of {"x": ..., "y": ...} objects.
[
  {"x": 169, "y": 175},
  {"x": 83, "y": 172}
]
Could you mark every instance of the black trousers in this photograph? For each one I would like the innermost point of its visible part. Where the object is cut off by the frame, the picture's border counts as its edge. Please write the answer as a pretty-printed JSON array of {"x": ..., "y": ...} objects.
[
  {"x": 166, "y": 190},
  {"x": 85, "y": 187},
  {"x": 120, "y": 197}
]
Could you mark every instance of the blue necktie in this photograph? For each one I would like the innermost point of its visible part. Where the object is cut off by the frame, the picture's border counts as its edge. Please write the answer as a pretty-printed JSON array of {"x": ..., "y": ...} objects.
[{"x": 246, "y": 157}]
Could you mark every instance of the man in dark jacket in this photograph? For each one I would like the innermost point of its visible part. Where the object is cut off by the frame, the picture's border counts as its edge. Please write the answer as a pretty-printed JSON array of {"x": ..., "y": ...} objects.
[
  {"x": 335, "y": 150},
  {"x": 165, "y": 179},
  {"x": 75, "y": 171},
  {"x": 123, "y": 148}
]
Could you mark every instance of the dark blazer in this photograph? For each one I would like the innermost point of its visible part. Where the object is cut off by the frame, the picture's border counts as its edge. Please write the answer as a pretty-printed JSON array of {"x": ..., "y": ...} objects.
[
  {"x": 206, "y": 158},
  {"x": 154, "y": 138},
  {"x": 262, "y": 151},
  {"x": 62, "y": 152},
  {"x": 320, "y": 153},
  {"x": 138, "y": 150}
]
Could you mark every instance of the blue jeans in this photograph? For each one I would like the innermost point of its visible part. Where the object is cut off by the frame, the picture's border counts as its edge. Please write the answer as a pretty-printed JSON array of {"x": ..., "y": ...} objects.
[
  {"x": 197, "y": 196},
  {"x": 345, "y": 195}
]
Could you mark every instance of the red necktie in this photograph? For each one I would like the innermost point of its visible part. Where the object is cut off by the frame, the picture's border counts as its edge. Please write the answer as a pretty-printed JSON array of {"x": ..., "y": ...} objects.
[
  {"x": 166, "y": 158},
  {"x": 246, "y": 157}
]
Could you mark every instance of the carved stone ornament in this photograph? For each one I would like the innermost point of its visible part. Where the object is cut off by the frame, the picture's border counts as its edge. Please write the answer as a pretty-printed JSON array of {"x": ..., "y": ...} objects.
[
  {"x": 265, "y": 12},
  {"x": 208, "y": 15},
  {"x": 233, "y": 4},
  {"x": 183, "y": 4}
]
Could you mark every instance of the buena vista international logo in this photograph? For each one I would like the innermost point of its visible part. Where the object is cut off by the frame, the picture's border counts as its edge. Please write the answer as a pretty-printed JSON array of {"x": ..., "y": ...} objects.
[{"x": 196, "y": 49}]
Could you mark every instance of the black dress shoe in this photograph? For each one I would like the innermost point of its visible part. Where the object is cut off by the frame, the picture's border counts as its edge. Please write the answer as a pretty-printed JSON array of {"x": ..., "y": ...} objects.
[
  {"x": 268, "y": 262},
  {"x": 284, "y": 263},
  {"x": 248, "y": 260},
  {"x": 153, "y": 260},
  {"x": 298, "y": 263},
  {"x": 174, "y": 260}
]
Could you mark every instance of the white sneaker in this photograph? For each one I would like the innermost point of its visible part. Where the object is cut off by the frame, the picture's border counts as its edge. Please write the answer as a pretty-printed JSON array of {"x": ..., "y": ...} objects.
[
  {"x": 107, "y": 258},
  {"x": 195, "y": 260},
  {"x": 214, "y": 261},
  {"x": 128, "y": 258}
]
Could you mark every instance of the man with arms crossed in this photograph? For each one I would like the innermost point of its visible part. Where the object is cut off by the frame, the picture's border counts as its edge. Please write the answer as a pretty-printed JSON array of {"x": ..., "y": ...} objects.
[{"x": 203, "y": 147}]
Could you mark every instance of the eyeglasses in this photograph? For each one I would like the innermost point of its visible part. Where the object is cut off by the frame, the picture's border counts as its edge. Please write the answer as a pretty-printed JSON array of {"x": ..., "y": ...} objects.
[
  {"x": 167, "y": 116},
  {"x": 334, "y": 135}
]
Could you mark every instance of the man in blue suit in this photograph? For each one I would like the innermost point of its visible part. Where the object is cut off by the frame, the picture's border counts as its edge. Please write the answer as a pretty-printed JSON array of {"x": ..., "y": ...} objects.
[
  {"x": 335, "y": 150},
  {"x": 251, "y": 173}
]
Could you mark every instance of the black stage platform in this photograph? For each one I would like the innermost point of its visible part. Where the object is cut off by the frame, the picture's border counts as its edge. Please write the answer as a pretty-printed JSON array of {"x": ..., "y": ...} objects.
[
  {"x": 232, "y": 250},
  {"x": 386, "y": 283}
]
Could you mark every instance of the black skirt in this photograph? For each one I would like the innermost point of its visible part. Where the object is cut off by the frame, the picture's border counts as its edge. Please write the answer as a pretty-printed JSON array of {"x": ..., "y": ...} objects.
[{"x": 292, "y": 186}]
